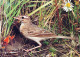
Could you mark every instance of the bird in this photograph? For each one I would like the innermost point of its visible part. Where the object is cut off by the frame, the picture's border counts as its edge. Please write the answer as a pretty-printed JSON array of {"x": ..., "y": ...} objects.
[{"x": 35, "y": 33}]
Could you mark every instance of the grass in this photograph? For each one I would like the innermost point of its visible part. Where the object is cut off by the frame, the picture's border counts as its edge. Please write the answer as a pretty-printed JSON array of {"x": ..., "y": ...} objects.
[
  {"x": 49, "y": 14},
  {"x": 10, "y": 10}
]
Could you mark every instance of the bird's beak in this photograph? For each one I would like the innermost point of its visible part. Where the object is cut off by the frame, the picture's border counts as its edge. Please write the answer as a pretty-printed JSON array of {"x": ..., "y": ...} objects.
[{"x": 17, "y": 18}]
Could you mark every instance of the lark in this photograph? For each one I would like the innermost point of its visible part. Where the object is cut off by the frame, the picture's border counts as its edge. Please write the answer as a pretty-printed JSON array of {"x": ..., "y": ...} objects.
[{"x": 35, "y": 33}]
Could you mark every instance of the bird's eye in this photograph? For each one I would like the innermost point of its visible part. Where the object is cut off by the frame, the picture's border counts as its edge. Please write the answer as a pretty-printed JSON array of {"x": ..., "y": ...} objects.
[{"x": 22, "y": 17}]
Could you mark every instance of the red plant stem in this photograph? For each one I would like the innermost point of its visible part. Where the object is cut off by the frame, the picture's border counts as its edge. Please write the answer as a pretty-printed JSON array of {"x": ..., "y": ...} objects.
[{"x": 59, "y": 21}]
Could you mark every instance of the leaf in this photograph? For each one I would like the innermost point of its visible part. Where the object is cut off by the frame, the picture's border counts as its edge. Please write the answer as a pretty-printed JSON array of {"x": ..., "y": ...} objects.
[
  {"x": 33, "y": 5},
  {"x": 7, "y": 39},
  {"x": 12, "y": 37},
  {"x": 52, "y": 49},
  {"x": 3, "y": 47},
  {"x": 46, "y": 42}
]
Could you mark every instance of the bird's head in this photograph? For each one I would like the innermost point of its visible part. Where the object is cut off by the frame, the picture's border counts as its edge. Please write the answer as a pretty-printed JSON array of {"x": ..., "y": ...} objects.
[{"x": 23, "y": 18}]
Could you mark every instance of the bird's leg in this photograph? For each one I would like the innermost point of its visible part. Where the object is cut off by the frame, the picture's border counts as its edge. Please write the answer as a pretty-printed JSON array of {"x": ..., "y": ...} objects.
[{"x": 34, "y": 47}]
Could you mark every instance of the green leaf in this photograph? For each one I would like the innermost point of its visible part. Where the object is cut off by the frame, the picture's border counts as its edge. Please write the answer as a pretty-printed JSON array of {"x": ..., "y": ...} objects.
[
  {"x": 52, "y": 49},
  {"x": 46, "y": 42},
  {"x": 33, "y": 5}
]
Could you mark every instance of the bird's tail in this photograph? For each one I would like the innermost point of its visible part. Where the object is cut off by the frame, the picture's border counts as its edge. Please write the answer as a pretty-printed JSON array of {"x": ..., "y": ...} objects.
[
  {"x": 63, "y": 37},
  {"x": 50, "y": 35}
]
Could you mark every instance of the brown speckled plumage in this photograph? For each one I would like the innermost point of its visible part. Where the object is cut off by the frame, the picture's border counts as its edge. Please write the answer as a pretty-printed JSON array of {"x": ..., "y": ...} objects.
[{"x": 34, "y": 32}]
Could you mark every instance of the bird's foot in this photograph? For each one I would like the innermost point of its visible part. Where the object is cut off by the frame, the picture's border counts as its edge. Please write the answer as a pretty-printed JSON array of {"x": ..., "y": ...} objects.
[{"x": 28, "y": 50}]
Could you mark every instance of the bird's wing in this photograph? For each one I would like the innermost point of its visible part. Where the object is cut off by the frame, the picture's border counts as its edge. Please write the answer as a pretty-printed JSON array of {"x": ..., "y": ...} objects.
[
  {"x": 42, "y": 33},
  {"x": 39, "y": 32}
]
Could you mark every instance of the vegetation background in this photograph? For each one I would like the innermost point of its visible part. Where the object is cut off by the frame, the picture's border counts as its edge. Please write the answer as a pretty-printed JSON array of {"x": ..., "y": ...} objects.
[{"x": 47, "y": 14}]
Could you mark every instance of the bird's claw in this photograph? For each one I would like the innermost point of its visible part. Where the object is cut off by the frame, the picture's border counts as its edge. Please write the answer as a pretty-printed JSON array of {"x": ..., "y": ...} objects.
[{"x": 27, "y": 50}]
